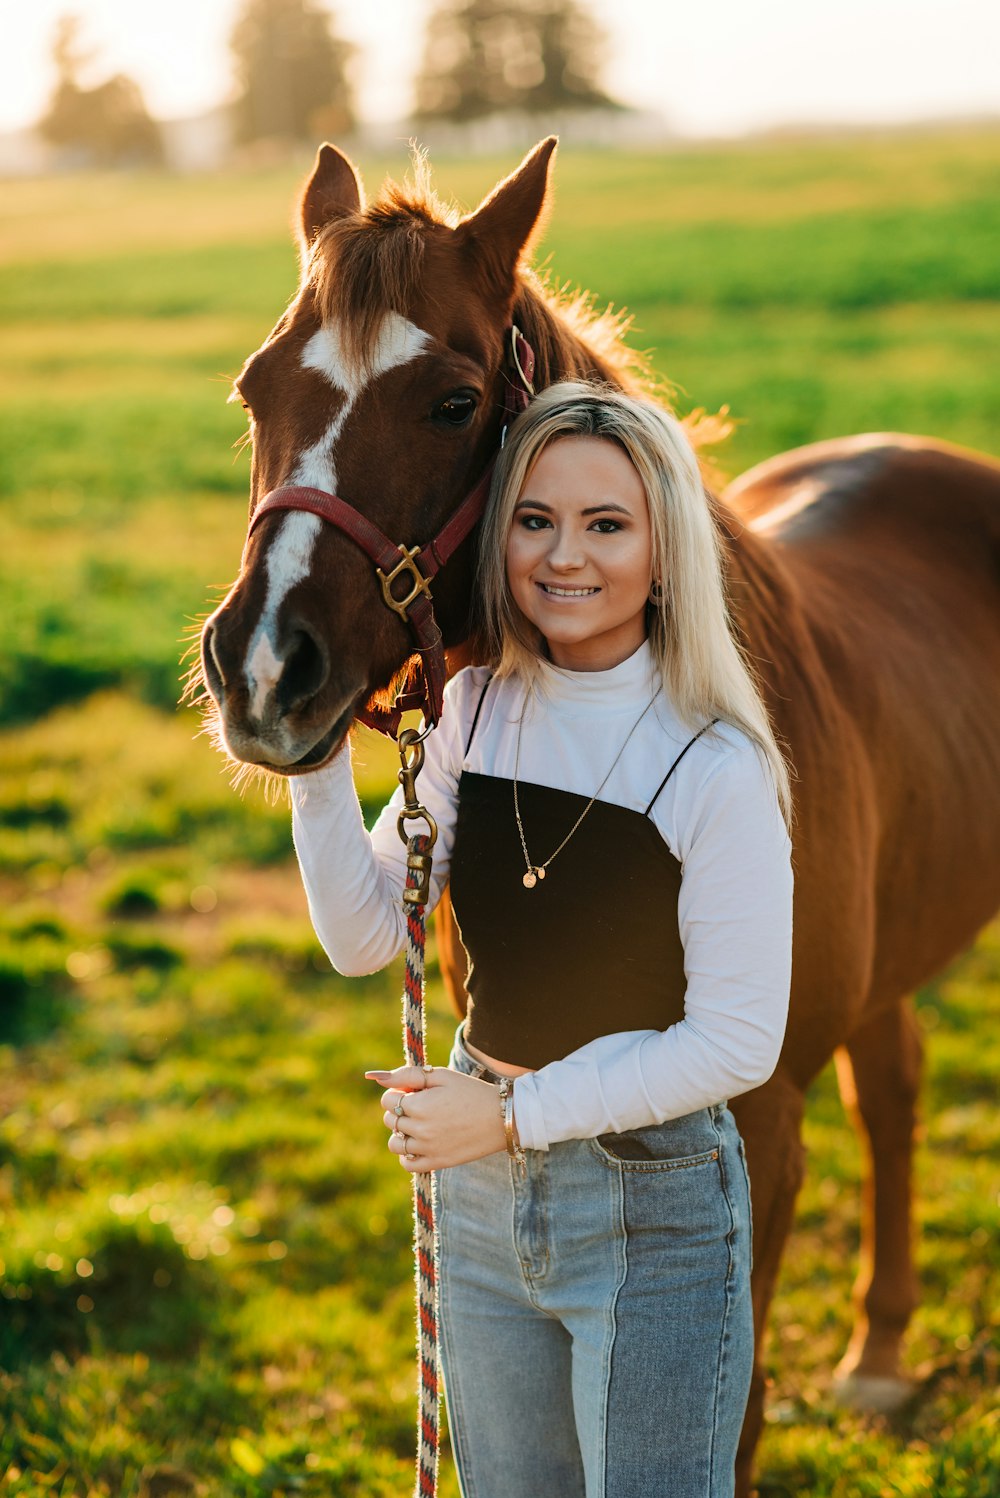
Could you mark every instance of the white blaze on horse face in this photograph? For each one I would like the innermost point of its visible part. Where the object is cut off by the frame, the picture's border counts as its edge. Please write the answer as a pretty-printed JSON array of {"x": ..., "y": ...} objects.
[
  {"x": 287, "y": 562},
  {"x": 290, "y": 554},
  {"x": 398, "y": 342}
]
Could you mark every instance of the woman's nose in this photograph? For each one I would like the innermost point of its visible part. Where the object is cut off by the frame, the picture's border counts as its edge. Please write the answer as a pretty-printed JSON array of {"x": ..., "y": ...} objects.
[{"x": 565, "y": 551}]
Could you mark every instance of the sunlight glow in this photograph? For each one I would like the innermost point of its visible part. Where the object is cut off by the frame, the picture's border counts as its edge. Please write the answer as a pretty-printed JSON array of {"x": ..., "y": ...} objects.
[{"x": 734, "y": 68}]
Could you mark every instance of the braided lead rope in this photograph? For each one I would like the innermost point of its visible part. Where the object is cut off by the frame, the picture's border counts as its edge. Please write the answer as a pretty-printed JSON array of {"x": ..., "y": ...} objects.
[{"x": 424, "y": 1230}]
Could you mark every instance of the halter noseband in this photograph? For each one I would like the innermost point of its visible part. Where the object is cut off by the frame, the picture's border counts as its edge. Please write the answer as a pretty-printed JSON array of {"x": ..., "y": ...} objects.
[{"x": 413, "y": 566}]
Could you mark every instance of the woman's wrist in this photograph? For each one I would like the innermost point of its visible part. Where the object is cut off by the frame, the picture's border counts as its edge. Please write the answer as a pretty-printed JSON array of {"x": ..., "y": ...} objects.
[
  {"x": 505, "y": 1089},
  {"x": 327, "y": 783}
]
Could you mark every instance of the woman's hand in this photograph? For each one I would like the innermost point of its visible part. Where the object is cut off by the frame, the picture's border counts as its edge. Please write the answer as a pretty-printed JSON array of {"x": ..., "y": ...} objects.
[{"x": 448, "y": 1117}]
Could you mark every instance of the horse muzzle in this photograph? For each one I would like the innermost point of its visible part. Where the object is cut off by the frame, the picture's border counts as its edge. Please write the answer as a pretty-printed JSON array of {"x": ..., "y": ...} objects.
[{"x": 277, "y": 703}]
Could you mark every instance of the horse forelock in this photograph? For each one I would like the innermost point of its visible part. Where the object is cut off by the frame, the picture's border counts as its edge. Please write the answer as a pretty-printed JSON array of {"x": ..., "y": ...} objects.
[{"x": 368, "y": 265}]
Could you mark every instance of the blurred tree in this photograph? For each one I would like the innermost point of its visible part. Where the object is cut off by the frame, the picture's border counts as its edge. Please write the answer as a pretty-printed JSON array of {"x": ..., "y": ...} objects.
[
  {"x": 485, "y": 56},
  {"x": 292, "y": 72},
  {"x": 107, "y": 125}
]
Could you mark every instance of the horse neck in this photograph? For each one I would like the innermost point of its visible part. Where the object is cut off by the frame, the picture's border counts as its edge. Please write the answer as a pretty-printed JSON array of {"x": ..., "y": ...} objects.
[{"x": 765, "y": 605}]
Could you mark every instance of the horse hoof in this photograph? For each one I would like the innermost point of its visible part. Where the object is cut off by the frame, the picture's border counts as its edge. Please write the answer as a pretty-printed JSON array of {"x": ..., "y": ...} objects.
[{"x": 874, "y": 1393}]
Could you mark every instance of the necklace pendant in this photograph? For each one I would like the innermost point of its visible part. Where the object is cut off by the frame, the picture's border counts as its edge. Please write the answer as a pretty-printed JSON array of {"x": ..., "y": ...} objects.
[{"x": 534, "y": 872}]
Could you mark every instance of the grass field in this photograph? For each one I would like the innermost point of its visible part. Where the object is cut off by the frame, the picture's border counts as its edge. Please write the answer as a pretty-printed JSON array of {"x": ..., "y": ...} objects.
[{"x": 205, "y": 1281}]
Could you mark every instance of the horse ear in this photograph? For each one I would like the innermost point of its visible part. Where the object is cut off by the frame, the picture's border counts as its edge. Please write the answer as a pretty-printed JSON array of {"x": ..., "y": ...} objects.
[
  {"x": 333, "y": 189},
  {"x": 505, "y": 223}
]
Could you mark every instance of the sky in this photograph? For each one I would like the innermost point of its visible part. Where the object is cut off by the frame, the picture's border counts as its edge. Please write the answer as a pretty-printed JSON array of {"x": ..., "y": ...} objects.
[{"x": 710, "y": 69}]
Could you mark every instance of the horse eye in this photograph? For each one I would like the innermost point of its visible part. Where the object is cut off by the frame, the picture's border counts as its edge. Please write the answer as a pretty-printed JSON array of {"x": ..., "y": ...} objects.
[{"x": 455, "y": 410}]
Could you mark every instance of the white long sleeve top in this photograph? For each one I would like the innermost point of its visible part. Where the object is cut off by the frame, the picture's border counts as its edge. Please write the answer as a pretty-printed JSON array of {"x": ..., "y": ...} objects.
[{"x": 718, "y": 814}]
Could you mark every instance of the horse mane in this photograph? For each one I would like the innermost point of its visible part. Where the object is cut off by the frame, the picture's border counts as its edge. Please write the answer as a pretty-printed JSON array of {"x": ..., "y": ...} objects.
[{"x": 367, "y": 264}]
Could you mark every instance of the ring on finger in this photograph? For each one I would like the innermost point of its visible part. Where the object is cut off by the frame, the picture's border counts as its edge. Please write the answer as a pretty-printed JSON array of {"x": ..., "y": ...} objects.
[{"x": 398, "y": 1110}]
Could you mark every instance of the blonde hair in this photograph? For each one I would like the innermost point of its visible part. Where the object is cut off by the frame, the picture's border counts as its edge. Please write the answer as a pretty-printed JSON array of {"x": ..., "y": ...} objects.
[{"x": 691, "y": 636}]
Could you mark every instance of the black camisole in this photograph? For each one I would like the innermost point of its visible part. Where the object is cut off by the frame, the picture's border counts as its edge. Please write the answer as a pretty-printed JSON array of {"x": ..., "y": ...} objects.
[{"x": 593, "y": 948}]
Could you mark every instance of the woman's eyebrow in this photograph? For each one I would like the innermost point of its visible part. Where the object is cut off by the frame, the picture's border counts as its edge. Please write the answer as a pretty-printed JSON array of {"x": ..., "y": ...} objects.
[{"x": 537, "y": 504}]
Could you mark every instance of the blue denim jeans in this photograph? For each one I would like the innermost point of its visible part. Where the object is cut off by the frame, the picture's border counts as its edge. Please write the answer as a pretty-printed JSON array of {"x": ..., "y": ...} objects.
[{"x": 596, "y": 1326}]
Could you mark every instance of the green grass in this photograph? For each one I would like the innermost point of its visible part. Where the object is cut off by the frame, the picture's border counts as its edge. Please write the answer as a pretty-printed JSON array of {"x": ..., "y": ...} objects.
[
  {"x": 206, "y": 1283},
  {"x": 212, "y": 1241}
]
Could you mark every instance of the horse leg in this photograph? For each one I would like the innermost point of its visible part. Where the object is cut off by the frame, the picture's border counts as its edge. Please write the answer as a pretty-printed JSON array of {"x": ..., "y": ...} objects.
[
  {"x": 770, "y": 1120},
  {"x": 879, "y": 1075},
  {"x": 451, "y": 954}
]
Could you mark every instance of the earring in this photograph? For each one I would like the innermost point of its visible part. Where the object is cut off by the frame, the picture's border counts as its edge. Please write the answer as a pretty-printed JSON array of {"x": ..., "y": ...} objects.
[{"x": 656, "y": 592}]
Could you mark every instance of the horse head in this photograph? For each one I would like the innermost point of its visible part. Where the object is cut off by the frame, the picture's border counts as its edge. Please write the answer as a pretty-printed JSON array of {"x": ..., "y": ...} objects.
[{"x": 384, "y": 385}]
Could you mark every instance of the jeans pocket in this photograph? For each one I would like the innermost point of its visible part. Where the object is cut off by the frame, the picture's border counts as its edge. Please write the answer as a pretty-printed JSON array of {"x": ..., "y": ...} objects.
[{"x": 678, "y": 1144}]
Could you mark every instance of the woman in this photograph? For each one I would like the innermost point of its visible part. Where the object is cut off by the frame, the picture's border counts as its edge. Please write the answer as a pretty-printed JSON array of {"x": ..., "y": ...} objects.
[{"x": 612, "y": 811}]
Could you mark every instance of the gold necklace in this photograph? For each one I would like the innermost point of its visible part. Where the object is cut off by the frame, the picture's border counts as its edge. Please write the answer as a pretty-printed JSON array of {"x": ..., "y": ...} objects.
[{"x": 535, "y": 871}]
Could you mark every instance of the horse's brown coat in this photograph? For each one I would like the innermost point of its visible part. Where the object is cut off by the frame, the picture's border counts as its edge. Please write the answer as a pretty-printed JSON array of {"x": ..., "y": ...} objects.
[{"x": 864, "y": 575}]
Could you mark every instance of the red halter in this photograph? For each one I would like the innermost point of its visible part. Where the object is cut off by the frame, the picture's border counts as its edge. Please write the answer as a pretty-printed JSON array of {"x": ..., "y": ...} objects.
[{"x": 415, "y": 565}]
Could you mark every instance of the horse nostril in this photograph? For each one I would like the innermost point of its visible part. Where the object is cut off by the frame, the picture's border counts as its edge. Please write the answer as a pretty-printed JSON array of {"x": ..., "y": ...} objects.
[
  {"x": 214, "y": 674},
  {"x": 307, "y": 667}
]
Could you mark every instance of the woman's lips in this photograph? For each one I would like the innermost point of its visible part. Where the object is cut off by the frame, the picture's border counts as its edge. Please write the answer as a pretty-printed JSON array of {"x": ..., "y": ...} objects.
[{"x": 556, "y": 590}]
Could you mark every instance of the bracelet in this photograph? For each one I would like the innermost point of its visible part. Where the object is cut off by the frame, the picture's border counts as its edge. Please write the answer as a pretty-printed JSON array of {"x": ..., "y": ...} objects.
[{"x": 514, "y": 1149}]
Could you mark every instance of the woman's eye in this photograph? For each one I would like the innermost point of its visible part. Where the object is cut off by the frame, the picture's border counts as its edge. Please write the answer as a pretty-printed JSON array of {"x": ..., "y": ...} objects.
[
  {"x": 607, "y": 527},
  {"x": 534, "y": 522},
  {"x": 455, "y": 410}
]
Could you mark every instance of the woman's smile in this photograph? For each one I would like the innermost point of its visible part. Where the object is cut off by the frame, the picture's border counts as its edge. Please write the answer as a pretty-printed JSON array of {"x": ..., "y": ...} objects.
[
  {"x": 553, "y": 590},
  {"x": 579, "y": 553}
]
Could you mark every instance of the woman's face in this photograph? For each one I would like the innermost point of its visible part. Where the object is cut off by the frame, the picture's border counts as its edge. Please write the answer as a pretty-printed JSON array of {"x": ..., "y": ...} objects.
[{"x": 580, "y": 553}]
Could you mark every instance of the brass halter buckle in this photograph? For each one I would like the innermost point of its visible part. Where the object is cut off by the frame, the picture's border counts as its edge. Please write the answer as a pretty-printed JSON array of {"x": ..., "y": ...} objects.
[{"x": 420, "y": 583}]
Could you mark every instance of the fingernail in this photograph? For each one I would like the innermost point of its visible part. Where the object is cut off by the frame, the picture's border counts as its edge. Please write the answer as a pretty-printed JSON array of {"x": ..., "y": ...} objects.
[{"x": 378, "y": 1076}]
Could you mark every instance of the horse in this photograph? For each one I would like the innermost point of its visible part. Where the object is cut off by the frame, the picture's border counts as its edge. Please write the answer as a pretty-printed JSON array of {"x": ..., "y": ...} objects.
[{"x": 864, "y": 581}]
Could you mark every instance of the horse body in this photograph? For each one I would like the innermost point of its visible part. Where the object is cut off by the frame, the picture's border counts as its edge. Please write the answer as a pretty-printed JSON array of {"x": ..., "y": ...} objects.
[
  {"x": 894, "y": 547},
  {"x": 864, "y": 576},
  {"x": 878, "y": 642}
]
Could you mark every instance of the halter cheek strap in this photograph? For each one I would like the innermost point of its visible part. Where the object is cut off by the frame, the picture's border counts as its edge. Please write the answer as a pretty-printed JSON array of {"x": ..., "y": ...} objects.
[
  {"x": 407, "y": 569},
  {"x": 405, "y": 572}
]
